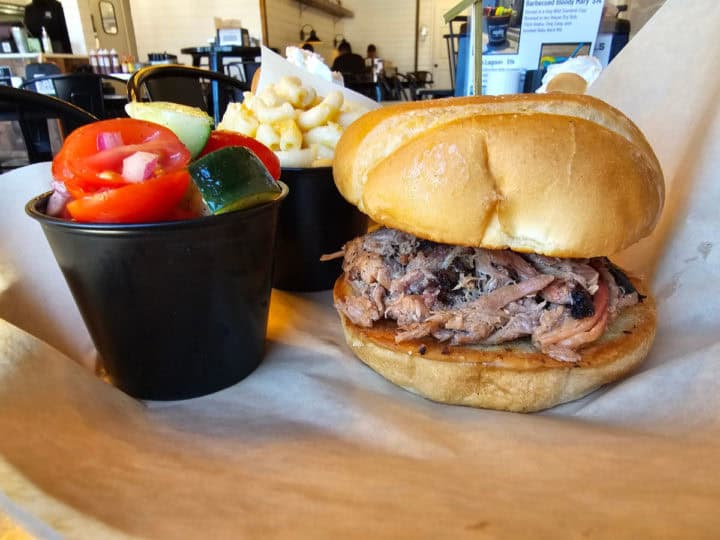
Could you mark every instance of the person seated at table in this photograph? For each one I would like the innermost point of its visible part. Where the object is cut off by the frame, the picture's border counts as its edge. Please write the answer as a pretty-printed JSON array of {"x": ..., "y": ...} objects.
[
  {"x": 347, "y": 61},
  {"x": 370, "y": 56},
  {"x": 308, "y": 47}
]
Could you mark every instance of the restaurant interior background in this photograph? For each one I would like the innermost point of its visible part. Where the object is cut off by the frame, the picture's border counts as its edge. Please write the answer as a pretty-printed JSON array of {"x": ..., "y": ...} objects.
[{"x": 147, "y": 26}]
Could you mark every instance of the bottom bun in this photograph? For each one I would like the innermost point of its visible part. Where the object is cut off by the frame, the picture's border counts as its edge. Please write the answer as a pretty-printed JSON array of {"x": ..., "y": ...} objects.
[{"x": 513, "y": 376}]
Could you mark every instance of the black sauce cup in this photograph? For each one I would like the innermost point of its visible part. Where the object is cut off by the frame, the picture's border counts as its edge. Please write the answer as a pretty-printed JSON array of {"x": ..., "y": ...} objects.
[
  {"x": 497, "y": 28},
  {"x": 176, "y": 309},
  {"x": 314, "y": 220}
]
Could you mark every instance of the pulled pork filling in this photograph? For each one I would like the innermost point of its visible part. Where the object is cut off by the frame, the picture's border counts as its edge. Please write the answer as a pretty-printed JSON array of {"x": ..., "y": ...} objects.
[{"x": 463, "y": 295}]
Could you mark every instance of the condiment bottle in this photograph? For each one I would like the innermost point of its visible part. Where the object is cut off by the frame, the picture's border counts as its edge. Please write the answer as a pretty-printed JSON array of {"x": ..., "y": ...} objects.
[
  {"x": 46, "y": 43},
  {"x": 92, "y": 56},
  {"x": 103, "y": 61},
  {"x": 114, "y": 61}
]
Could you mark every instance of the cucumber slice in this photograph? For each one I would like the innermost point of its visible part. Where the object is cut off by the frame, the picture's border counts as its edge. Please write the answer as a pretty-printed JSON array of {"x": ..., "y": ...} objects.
[
  {"x": 191, "y": 125},
  {"x": 233, "y": 178}
]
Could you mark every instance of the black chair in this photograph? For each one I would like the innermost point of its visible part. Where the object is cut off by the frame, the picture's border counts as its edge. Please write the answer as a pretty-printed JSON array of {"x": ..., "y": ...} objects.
[
  {"x": 196, "y": 87},
  {"x": 30, "y": 109},
  {"x": 84, "y": 90},
  {"x": 40, "y": 69},
  {"x": 242, "y": 71},
  {"x": 361, "y": 83},
  {"x": 394, "y": 87},
  {"x": 418, "y": 80}
]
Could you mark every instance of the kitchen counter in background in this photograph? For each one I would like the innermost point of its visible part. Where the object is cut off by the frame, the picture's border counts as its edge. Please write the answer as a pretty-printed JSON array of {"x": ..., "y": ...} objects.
[{"x": 66, "y": 62}]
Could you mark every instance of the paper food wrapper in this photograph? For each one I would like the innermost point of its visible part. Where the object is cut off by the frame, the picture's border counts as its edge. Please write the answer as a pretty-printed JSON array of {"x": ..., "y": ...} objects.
[
  {"x": 315, "y": 445},
  {"x": 275, "y": 67}
]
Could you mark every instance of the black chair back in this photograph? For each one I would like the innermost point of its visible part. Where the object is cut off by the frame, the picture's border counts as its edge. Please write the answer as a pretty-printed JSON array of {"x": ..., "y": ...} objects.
[
  {"x": 243, "y": 71},
  {"x": 422, "y": 78},
  {"x": 418, "y": 80},
  {"x": 362, "y": 83},
  {"x": 40, "y": 69},
  {"x": 395, "y": 87},
  {"x": 196, "y": 87},
  {"x": 32, "y": 110},
  {"x": 84, "y": 90},
  {"x": 177, "y": 90}
]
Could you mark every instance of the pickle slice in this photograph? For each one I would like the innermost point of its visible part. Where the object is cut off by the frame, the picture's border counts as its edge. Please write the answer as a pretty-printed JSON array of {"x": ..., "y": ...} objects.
[{"x": 233, "y": 178}]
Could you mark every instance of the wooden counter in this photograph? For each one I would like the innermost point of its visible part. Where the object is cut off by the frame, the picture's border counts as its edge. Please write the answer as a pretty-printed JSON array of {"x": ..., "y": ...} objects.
[{"x": 66, "y": 62}]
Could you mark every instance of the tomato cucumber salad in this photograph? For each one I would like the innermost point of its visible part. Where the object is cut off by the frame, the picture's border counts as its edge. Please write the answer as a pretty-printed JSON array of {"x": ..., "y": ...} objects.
[{"x": 164, "y": 163}]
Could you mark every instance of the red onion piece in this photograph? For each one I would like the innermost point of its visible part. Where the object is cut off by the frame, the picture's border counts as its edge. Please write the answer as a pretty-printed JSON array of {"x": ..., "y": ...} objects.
[
  {"x": 139, "y": 166},
  {"x": 109, "y": 139},
  {"x": 58, "y": 200}
]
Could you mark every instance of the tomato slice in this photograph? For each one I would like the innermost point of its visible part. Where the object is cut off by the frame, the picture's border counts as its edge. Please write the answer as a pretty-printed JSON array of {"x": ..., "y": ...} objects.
[
  {"x": 220, "y": 139},
  {"x": 154, "y": 199},
  {"x": 80, "y": 187},
  {"x": 85, "y": 168}
]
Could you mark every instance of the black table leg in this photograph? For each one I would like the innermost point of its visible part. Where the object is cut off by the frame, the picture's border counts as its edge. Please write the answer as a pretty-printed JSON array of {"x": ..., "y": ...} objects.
[{"x": 214, "y": 59}]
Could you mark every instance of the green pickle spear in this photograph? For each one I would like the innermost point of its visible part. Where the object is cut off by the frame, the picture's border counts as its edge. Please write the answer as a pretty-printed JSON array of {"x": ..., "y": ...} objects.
[{"x": 233, "y": 178}]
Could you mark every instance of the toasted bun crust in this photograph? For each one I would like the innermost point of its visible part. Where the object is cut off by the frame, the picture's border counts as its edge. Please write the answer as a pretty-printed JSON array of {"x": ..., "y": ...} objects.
[
  {"x": 561, "y": 175},
  {"x": 509, "y": 377}
]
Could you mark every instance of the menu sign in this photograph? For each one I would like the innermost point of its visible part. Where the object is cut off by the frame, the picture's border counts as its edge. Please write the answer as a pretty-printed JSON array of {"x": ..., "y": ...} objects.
[{"x": 527, "y": 35}]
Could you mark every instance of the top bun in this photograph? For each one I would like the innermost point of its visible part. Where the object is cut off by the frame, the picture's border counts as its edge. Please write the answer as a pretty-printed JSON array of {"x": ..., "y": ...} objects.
[{"x": 561, "y": 175}]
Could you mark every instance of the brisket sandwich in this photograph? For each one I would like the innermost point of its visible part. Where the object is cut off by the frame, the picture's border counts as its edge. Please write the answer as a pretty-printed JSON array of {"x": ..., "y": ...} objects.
[{"x": 488, "y": 282}]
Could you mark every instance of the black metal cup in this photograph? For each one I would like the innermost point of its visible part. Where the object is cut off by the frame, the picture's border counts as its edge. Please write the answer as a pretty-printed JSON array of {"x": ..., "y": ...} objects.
[
  {"x": 497, "y": 28},
  {"x": 314, "y": 220},
  {"x": 176, "y": 309}
]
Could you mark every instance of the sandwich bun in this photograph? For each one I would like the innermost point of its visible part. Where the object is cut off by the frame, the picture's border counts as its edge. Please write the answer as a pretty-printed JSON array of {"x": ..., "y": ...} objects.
[
  {"x": 513, "y": 376},
  {"x": 554, "y": 174}
]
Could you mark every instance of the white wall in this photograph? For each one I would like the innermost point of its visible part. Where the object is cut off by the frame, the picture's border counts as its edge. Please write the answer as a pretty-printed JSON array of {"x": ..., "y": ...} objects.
[
  {"x": 285, "y": 18},
  {"x": 170, "y": 25},
  {"x": 432, "y": 51},
  {"x": 389, "y": 25},
  {"x": 77, "y": 20},
  {"x": 425, "y": 45}
]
